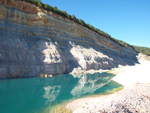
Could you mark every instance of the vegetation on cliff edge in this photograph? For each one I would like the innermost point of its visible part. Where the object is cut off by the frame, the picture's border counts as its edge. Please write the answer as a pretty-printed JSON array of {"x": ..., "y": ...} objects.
[{"x": 144, "y": 50}]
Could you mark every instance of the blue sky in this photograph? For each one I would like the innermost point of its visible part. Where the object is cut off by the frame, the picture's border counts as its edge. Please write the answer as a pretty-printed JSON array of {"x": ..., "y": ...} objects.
[{"x": 127, "y": 20}]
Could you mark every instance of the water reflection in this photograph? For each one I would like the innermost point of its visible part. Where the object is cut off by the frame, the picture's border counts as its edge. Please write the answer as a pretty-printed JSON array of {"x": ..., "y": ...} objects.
[
  {"x": 65, "y": 87},
  {"x": 33, "y": 94},
  {"x": 90, "y": 83},
  {"x": 51, "y": 93}
]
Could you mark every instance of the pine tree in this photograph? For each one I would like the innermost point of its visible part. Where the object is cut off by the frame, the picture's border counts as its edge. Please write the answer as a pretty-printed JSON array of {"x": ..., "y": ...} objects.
[
  {"x": 45, "y": 6},
  {"x": 39, "y": 3},
  {"x": 73, "y": 17}
]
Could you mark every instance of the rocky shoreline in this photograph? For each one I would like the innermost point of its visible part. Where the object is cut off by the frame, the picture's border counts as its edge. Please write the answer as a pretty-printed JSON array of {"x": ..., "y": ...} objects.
[{"x": 135, "y": 97}]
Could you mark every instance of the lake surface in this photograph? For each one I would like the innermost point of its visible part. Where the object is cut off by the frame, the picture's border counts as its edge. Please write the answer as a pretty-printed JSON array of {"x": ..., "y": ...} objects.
[{"x": 39, "y": 95}]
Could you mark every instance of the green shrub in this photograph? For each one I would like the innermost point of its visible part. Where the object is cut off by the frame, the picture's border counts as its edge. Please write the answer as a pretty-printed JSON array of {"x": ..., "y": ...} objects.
[
  {"x": 144, "y": 50},
  {"x": 60, "y": 109},
  {"x": 114, "y": 90}
]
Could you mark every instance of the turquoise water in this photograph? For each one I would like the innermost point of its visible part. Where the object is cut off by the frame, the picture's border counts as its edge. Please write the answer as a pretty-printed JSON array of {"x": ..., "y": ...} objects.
[{"x": 38, "y": 95}]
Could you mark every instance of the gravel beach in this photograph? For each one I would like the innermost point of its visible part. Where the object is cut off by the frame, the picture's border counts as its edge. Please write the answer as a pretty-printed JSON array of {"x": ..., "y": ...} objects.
[{"x": 135, "y": 97}]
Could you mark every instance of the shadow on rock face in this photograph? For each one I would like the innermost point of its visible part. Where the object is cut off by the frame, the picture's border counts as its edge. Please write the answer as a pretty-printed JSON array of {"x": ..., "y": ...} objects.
[{"x": 34, "y": 49}]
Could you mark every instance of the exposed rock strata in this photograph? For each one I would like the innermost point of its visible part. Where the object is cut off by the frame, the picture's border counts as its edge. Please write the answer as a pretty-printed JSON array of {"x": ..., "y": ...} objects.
[{"x": 34, "y": 41}]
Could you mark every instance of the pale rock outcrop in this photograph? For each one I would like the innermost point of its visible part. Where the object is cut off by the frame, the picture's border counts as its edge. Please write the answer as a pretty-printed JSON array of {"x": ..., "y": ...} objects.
[{"x": 34, "y": 41}]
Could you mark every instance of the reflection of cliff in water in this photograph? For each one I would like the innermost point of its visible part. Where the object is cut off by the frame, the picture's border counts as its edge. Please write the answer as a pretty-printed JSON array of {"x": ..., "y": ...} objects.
[
  {"x": 64, "y": 87},
  {"x": 39, "y": 93},
  {"x": 89, "y": 83},
  {"x": 51, "y": 93},
  {"x": 58, "y": 88}
]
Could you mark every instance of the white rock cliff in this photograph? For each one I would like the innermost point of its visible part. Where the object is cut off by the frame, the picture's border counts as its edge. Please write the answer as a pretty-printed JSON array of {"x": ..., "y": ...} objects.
[{"x": 34, "y": 41}]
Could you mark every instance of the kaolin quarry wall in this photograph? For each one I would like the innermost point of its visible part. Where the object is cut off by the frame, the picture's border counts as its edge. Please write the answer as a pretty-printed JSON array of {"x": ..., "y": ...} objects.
[{"x": 34, "y": 41}]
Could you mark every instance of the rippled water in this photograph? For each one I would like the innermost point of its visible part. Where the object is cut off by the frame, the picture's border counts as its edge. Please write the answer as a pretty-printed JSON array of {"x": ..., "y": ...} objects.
[{"x": 36, "y": 95}]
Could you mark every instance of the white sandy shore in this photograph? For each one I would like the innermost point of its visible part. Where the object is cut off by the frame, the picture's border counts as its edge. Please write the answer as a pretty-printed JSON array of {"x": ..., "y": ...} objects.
[
  {"x": 134, "y": 98},
  {"x": 125, "y": 75},
  {"x": 139, "y": 73},
  {"x": 77, "y": 105}
]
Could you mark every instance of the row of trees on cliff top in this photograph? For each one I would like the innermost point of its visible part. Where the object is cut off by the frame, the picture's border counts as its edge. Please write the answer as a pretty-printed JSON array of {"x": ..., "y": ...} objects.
[
  {"x": 66, "y": 15},
  {"x": 81, "y": 22}
]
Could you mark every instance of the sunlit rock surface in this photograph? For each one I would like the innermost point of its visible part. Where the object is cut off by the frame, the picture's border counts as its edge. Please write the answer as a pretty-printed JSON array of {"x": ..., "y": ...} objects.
[{"x": 34, "y": 41}]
